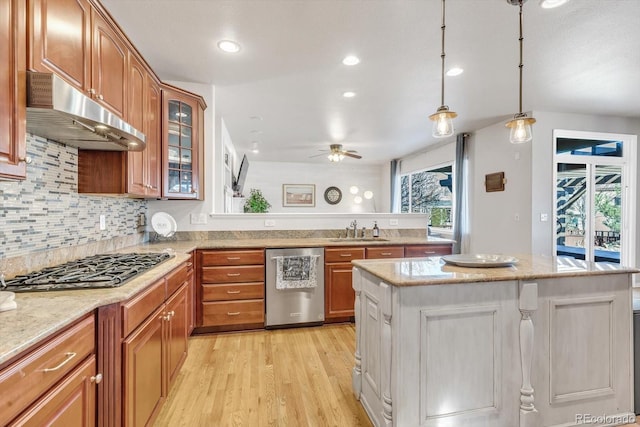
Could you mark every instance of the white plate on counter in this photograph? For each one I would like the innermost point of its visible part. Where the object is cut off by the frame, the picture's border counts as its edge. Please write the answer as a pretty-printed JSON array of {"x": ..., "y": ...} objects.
[
  {"x": 163, "y": 224},
  {"x": 480, "y": 260}
]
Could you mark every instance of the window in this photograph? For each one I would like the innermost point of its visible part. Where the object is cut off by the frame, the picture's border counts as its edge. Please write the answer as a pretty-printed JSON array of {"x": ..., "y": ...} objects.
[{"x": 429, "y": 191}]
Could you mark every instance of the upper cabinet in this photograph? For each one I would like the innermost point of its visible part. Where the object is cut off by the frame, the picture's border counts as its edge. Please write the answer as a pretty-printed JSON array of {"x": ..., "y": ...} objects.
[
  {"x": 72, "y": 39},
  {"x": 12, "y": 87},
  {"x": 182, "y": 144}
]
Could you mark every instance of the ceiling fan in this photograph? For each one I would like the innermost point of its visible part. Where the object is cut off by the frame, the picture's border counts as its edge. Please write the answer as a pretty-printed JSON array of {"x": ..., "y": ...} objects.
[{"x": 337, "y": 153}]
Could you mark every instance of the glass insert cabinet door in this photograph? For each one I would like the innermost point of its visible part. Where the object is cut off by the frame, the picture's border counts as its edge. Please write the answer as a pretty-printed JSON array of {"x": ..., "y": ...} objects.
[{"x": 181, "y": 144}]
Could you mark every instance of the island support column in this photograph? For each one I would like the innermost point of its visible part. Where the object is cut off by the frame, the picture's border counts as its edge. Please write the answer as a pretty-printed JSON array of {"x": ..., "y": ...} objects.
[
  {"x": 356, "y": 374},
  {"x": 386, "y": 362},
  {"x": 527, "y": 303}
]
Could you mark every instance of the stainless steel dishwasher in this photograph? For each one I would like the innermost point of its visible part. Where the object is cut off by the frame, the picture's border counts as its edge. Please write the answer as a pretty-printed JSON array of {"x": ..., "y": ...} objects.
[{"x": 294, "y": 306}]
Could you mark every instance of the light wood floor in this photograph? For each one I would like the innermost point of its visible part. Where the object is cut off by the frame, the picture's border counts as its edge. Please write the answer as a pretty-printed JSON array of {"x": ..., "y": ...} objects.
[{"x": 286, "y": 377}]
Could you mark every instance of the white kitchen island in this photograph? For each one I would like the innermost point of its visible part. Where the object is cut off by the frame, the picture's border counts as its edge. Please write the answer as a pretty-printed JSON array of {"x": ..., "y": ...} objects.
[{"x": 546, "y": 342}]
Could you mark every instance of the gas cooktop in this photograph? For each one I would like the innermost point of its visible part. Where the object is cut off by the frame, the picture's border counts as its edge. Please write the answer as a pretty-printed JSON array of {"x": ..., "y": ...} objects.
[{"x": 98, "y": 271}]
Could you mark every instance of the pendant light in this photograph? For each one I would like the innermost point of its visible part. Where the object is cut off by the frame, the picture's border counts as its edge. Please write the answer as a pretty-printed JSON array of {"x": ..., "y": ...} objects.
[
  {"x": 521, "y": 124},
  {"x": 442, "y": 118}
]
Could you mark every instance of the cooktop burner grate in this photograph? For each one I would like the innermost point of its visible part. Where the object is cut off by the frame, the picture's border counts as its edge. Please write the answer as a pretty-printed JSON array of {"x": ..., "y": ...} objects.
[{"x": 98, "y": 271}]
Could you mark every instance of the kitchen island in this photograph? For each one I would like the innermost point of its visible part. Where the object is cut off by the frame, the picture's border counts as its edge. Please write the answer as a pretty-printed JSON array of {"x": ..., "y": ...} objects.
[{"x": 545, "y": 342}]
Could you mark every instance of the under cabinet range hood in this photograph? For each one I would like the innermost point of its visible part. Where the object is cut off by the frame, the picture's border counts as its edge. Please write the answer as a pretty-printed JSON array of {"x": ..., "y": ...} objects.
[{"x": 58, "y": 111}]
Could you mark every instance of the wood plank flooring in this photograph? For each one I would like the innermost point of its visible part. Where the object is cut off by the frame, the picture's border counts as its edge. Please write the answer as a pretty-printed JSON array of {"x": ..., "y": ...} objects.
[{"x": 285, "y": 377}]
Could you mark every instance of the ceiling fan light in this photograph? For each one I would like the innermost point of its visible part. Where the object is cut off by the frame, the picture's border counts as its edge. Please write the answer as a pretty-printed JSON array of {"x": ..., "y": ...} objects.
[
  {"x": 551, "y": 4},
  {"x": 443, "y": 122},
  {"x": 521, "y": 129}
]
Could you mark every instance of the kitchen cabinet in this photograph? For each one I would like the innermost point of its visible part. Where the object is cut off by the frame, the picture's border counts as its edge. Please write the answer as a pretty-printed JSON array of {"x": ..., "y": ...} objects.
[
  {"x": 231, "y": 285},
  {"x": 339, "y": 296},
  {"x": 182, "y": 144},
  {"x": 382, "y": 252},
  {"x": 56, "y": 381},
  {"x": 72, "y": 39},
  {"x": 135, "y": 173},
  {"x": 414, "y": 251},
  {"x": 13, "y": 145},
  {"x": 155, "y": 333}
]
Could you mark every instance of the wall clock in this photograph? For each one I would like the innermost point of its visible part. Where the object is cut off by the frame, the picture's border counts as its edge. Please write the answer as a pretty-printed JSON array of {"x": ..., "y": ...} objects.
[{"x": 332, "y": 195}]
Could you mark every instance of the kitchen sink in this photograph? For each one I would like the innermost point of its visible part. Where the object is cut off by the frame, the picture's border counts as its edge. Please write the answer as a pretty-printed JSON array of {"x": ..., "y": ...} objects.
[{"x": 361, "y": 239}]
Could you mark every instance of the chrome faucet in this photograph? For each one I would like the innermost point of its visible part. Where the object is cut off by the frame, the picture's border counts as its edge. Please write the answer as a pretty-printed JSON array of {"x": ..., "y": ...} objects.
[{"x": 354, "y": 226}]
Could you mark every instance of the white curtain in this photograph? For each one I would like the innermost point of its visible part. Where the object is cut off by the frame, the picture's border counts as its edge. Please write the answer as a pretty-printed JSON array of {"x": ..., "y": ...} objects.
[{"x": 394, "y": 188}]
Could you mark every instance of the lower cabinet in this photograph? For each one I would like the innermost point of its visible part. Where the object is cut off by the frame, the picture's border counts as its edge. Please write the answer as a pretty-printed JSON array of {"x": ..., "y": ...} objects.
[
  {"x": 55, "y": 383},
  {"x": 339, "y": 296},
  {"x": 416, "y": 251},
  {"x": 152, "y": 356},
  {"x": 70, "y": 403}
]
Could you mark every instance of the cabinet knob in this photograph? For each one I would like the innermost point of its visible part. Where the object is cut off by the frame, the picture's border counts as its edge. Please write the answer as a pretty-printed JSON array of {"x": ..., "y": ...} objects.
[
  {"x": 171, "y": 314},
  {"x": 100, "y": 97},
  {"x": 92, "y": 91},
  {"x": 26, "y": 160},
  {"x": 96, "y": 379}
]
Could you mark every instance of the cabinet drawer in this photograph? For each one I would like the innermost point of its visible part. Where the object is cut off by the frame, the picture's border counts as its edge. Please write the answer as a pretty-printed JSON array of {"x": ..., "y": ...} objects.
[
  {"x": 232, "y": 292},
  {"x": 232, "y": 312},
  {"x": 72, "y": 402},
  {"x": 426, "y": 250},
  {"x": 385, "y": 252},
  {"x": 245, "y": 257},
  {"x": 343, "y": 254},
  {"x": 22, "y": 382},
  {"x": 176, "y": 279},
  {"x": 236, "y": 274},
  {"x": 141, "y": 306}
]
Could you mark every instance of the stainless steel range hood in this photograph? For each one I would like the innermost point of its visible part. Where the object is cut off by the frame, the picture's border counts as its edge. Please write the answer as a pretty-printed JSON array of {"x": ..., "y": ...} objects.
[{"x": 58, "y": 111}]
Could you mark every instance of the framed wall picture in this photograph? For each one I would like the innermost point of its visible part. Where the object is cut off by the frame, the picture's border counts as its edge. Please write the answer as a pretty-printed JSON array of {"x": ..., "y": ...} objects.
[
  {"x": 494, "y": 182},
  {"x": 299, "y": 195}
]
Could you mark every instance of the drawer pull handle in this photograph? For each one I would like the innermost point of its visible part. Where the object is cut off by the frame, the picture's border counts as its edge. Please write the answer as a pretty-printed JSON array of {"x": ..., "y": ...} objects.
[
  {"x": 429, "y": 252},
  {"x": 233, "y": 274},
  {"x": 235, "y": 313},
  {"x": 345, "y": 255},
  {"x": 96, "y": 379},
  {"x": 233, "y": 292},
  {"x": 385, "y": 253},
  {"x": 68, "y": 357},
  {"x": 189, "y": 264},
  {"x": 233, "y": 258}
]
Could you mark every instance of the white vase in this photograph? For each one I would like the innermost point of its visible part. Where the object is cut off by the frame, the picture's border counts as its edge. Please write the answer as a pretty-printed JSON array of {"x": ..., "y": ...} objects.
[{"x": 238, "y": 204}]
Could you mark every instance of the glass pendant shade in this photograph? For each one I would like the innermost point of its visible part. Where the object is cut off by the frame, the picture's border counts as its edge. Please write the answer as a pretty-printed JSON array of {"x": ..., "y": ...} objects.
[
  {"x": 520, "y": 129},
  {"x": 443, "y": 122}
]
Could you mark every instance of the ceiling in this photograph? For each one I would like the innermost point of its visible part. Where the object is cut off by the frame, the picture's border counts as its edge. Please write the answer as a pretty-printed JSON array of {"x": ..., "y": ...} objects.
[{"x": 284, "y": 88}]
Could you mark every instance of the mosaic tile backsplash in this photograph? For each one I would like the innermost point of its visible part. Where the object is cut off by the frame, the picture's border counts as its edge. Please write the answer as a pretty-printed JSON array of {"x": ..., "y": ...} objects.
[{"x": 46, "y": 212}]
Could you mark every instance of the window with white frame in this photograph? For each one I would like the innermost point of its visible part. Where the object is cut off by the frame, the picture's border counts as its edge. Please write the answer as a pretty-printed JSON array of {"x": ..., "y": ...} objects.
[{"x": 429, "y": 191}]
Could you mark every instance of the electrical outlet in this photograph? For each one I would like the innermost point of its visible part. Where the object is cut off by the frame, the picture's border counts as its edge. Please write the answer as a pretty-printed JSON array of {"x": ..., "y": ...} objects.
[
  {"x": 269, "y": 222},
  {"x": 199, "y": 218},
  {"x": 142, "y": 220},
  {"x": 544, "y": 217},
  {"x": 393, "y": 221},
  {"x": 103, "y": 223}
]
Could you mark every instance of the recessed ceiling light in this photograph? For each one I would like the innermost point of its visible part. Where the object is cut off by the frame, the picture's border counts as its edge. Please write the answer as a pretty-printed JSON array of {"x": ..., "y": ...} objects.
[
  {"x": 455, "y": 71},
  {"x": 351, "y": 60},
  {"x": 349, "y": 94},
  {"x": 229, "y": 46},
  {"x": 550, "y": 4}
]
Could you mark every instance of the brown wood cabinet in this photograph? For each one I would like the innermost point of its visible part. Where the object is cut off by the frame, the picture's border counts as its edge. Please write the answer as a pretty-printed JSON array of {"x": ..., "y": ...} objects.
[
  {"x": 91, "y": 53},
  {"x": 13, "y": 145},
  {"x": 231, "y": 288},
  {"x": 339, "y": 296},
  {"x": 59, "y": 376},
  {"x": 382, "y": 252},
  {"x": 182, "y": 144},
  {"x": 415, "y": 251},
  {"x": 155, "y": 332}
]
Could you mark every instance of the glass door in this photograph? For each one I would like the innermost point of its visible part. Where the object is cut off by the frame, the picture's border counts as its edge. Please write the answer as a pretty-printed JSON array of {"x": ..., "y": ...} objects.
[{"x": 595, "y": 214}]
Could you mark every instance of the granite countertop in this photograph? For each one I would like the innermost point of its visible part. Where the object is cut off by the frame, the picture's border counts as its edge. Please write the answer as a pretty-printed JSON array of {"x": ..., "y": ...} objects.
[
  {"x": 189, "y": 245},
  {"x": 434, "y": 271},
  {"x": 40, "y": 314}
]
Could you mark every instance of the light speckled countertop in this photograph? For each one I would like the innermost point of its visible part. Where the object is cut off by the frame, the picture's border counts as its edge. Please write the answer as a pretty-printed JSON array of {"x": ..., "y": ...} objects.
[
  {"x": 434, "y": 271},
  {"x": 40, "y": 314}
]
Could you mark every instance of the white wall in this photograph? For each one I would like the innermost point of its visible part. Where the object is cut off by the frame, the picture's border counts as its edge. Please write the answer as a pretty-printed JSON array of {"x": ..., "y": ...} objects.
[
  {"x": 269, "y": 177},
  {"x": 500, "y": 222},
  {"x": 435, "y": 155}
]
